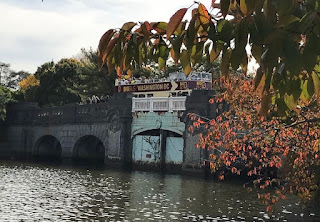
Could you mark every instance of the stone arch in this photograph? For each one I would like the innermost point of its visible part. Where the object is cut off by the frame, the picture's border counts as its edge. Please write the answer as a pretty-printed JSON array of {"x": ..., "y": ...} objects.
[
  {"x": 89, "y": 149},
  {"x": 47, "y": 147}
]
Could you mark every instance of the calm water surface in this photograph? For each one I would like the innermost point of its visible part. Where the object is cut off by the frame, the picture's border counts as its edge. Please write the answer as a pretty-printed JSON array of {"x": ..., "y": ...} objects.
[{"x": 30, "y": 192}]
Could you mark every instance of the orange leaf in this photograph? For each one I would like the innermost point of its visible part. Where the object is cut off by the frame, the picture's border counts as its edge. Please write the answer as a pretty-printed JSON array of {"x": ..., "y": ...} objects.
[
  {"x": 175, "y": 20},
  {"x": 103, "y": 43},
  {"x": 269, "y": 208},
  {"x": 200, "y": 121},
  {"x": 110, "y": 46},
  {"x": 204, "y": 15},
  {"x": 119, "y": 71}
]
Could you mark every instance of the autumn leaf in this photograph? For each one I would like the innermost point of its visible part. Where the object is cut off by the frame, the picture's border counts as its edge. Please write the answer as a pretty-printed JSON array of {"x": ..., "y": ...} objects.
[
  {"x": 175, "y": 21},
  {"x": 128, "y": 26},
  {"x": 212, "y": 3},
  {"x": 204, "y": 15},
  {"x": 185, "y": 62},
  {"x": 243, "y": 7},
  {"x": 109, "y": 47},
  {"x": 104, "y": 41}
]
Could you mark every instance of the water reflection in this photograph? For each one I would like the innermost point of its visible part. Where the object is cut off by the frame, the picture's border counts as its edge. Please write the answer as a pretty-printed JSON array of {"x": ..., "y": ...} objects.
[{"x": 33, "y": 192}]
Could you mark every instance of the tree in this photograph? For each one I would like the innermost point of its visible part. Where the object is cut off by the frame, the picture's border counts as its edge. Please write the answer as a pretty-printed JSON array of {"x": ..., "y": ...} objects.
[
  {"x": 29, "y": 81},
  {"x": 92, "y": 80},
  {"x": 273, "y": 121},
  {"x": 68, "y": 81},
  {"x": 5, "y": 97},
  {"x": 58, "y": 83},
  {"x": 10, "y": 78},
  {"x": 273, "y": 152},
  {"x": 283, "y": 36}
]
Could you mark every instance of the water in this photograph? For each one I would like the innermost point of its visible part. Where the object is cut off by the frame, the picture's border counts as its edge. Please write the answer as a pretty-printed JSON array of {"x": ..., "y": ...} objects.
[{"x": 30, "y": 192}]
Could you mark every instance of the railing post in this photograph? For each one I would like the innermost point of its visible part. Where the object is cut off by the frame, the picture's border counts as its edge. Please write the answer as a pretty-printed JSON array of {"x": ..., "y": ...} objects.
[
  {"x": 133, "y": 104},
  {"x": 151, "y": 104},
  {"x": 170, "y": 104}
]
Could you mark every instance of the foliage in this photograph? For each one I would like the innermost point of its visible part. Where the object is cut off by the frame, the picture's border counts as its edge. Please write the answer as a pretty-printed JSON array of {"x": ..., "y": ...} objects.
[
  {"x": 5, "y": 97},
  {"x": 283, "y": 36},
  {"x": 92, "y": 80},
  {"x": 68, "y": 81},
  {"x": 28, "y": 82},
  {"x": 244, "y": 143},
  {"x": 58, "y": 83},
  {"x": 10, "y": 78}
]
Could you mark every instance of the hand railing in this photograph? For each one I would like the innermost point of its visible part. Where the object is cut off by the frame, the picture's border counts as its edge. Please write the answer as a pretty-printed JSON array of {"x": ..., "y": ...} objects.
[{"x": 159, "y": 104}]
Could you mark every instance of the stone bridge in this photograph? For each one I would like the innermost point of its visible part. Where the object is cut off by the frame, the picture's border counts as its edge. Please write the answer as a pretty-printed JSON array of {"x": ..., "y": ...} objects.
[{"x": 109, "y": 132}]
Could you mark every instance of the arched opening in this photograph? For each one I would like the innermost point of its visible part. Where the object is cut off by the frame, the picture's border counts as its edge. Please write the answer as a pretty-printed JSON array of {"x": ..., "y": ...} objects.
[
  {"x": 48, "y": 148},
  {"x": 89, "y": 150},
  {"x": 158, "y": 147}
]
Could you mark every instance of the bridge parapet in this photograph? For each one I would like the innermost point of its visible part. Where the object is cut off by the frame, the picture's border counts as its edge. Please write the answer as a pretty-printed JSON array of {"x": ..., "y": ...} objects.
[
  {"x": 72, "y": 113},
  {"x": 163, "y": 104}
]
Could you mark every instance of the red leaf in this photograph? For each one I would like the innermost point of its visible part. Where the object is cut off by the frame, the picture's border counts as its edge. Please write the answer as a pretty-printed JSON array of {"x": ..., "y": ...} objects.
[
  {"x": 104, "y": 41},
  {"x": 200, "y": 121},
  {"x": 175, "y": 20},
  {"x": 109, "y": 47},
  {"x": 212, "y": 3}
]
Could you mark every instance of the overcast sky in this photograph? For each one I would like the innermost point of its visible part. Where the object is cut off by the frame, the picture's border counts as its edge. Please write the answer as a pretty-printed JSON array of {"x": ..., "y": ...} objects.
[{"x": 34, "y": 32}]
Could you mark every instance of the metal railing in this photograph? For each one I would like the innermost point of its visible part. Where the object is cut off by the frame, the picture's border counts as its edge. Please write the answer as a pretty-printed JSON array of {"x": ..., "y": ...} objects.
[{"x": 159, "y": 104}]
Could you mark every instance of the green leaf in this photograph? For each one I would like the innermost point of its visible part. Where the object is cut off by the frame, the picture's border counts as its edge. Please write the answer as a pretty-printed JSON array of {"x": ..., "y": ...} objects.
[
  {"x": 225, "y": 62},
  {"x": 224, "y": 29},
  {"x": 175, "y": 21},
  {"x": 236, "y": 57},
  {"x": 281, "y": 107},
  {"x": 192, "y": 32},
  {"x": 162, "y": 63},
  {"x": 310, "y": 52},
  {"x": 225, "y": 7},
  {"x": 285, "y": 7},
  {"x": 176, "y": 45},
  {"x": 305, "y": 22},
  {"x": 258, "y": 77},
  {"x": 305, "y": 96},
  {"x": 310, "y": 86},
  {"x": 215, "y": 52},
  {"x": 316, "y": 82},
  {"x": 128, "y": 26},
  {"x": 290, "y": 101},
  {"x": 185, "y": 61},
  {"x": 160, "y": 27},
  {"x": 212, "y": 34},
  {"x": 197, "y": 52},
  {"x": 286, "y": 20}
]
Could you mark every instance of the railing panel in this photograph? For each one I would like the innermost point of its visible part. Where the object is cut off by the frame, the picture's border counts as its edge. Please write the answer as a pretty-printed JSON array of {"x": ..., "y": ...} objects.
[{"x": 159, "y": 104}]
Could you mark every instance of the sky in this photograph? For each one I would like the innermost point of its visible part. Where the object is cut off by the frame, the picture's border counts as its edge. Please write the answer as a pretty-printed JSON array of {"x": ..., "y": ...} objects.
[{"x": 34, "y": 32}]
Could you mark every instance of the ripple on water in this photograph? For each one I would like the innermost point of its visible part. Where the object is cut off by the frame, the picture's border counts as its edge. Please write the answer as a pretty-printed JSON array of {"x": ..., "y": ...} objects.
[{"x": 30, "y": 192}]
